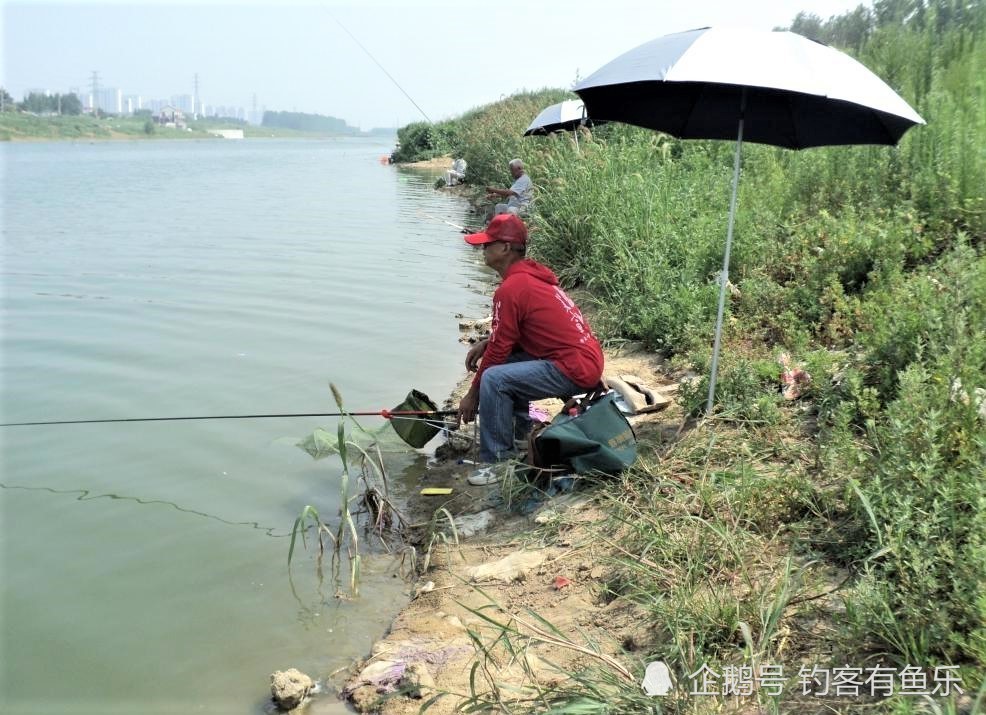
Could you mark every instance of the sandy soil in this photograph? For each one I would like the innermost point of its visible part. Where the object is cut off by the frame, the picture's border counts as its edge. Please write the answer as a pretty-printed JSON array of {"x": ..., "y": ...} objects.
[
  {"x": 545, "y": 562},
  {"x": 439, "y": 162}
]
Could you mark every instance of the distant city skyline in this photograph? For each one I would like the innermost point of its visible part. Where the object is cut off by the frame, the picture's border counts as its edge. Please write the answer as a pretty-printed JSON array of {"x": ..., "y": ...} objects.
[
  {"x": 115, "y": 100},
  {"x": 375, "y": 64}
]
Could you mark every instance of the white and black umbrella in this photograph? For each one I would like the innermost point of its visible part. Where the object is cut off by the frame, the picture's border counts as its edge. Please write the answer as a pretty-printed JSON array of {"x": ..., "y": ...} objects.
[
  {"x": 564, "y": 116},
  {"x": 766, "y": 87}
]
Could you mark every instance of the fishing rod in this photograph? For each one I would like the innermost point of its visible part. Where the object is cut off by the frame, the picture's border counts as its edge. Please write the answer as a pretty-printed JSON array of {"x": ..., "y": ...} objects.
[
  {"x": 386, "y": 414},
  {"x": 462, "y": 228},
  {"x": 377, "y": 63}
]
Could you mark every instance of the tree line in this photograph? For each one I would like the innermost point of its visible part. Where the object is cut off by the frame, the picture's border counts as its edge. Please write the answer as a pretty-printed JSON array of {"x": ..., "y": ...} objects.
[
  {"x": 307, "y": 122},
  {"x": 38, "y": 103},
  {"x": 852, "y": 30}
]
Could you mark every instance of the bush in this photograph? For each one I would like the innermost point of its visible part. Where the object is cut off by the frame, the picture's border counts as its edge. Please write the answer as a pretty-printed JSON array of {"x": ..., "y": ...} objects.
[
  {"x": 489, "y": 137},
  {"x": 924, "y": 498},
  {"x": 747, "y": 389},
  {"x": 920, "y": 316},
  {"x": 421, "y": 140}
]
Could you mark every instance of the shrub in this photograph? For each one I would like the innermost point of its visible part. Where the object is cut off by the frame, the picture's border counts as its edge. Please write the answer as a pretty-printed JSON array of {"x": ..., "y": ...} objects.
[
  {"x": 924, "y": 498},
  {"x": 488, "y": 137},
  {"x": 422, "y": 140},
  {"x": 921, "y": 315}
]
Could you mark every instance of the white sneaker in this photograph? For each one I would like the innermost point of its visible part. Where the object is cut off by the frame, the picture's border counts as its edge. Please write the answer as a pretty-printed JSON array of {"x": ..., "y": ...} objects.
[{"x": 484, "y": 476}]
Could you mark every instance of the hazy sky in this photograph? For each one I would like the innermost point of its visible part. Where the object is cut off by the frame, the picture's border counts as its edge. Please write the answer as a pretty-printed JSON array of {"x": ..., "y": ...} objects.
[{"x": 448, "y": 56}]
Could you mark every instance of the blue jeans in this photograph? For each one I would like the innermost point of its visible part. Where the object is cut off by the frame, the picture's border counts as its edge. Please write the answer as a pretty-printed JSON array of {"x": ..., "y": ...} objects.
[{"x": 504, "y": 393}]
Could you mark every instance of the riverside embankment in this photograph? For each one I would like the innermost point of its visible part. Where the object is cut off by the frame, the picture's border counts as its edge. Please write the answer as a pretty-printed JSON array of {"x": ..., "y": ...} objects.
[
  {"x": 834, "y": 528},
  {"x": 492, "y": 558},
  {"x": 509, "y": 549}
]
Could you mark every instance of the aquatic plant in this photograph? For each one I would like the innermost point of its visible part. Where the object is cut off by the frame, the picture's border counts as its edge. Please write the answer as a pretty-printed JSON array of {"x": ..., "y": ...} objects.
[{"x": 363, "y": 495}]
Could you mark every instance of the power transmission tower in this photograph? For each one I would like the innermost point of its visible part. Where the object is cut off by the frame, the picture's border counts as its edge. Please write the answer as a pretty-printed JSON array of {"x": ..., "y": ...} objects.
[{"x": 94, "y": 82}]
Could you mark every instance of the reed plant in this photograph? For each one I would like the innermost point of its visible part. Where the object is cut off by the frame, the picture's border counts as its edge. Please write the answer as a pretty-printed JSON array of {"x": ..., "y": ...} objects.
[{"x": 363, "y": 497}]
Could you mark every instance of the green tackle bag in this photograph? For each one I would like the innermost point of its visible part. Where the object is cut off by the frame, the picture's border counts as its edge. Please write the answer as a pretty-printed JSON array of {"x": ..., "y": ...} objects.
[
  {"x": 416, "y": 430},
  {"x": 591, "y": 435}
]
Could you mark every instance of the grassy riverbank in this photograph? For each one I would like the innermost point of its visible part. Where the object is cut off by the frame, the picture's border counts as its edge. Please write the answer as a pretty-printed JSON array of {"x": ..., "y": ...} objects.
[
  {"x": 846, "y": 528},
  {"x": 19, "y": 126}
]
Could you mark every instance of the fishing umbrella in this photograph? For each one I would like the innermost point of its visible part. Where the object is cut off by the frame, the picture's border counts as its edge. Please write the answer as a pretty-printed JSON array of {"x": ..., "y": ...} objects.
[
  {"x": 564, "y": 116},
  {"x": 766, "y": 87}
]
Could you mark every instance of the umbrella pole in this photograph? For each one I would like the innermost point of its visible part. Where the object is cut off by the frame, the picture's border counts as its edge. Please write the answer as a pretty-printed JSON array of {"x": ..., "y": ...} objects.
[{"x": 724, "y": 276}]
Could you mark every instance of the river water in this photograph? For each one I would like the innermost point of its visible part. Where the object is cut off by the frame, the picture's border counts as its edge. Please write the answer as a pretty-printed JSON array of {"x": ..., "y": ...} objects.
[{"x": 144, "y": 565}]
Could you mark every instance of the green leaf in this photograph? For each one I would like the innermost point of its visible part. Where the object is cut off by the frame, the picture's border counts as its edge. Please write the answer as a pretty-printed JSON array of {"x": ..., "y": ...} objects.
[
  {"x": 309, "y": 512},
  {"x": 341, "y": 442},
  {"x": 319, "y": 444},
  {"x": 869, "y": 510}
]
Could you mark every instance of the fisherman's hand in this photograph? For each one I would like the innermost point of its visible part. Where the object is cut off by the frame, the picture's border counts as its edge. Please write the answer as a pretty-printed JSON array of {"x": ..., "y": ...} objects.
[
  {"x": 474, "y": 355},
  {"x": 468, "y": 406}
]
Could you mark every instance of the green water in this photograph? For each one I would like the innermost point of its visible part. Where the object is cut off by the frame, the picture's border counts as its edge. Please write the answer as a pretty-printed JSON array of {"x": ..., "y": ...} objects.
[{"x": 144, "y": 565}]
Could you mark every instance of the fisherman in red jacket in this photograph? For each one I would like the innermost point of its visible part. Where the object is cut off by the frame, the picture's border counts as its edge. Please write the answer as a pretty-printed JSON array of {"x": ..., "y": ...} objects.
[{"x": 540, "y": 346}]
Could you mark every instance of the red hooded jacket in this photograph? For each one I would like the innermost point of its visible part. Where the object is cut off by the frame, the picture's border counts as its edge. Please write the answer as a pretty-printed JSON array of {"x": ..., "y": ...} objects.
[{"x": 532, "y": 313}]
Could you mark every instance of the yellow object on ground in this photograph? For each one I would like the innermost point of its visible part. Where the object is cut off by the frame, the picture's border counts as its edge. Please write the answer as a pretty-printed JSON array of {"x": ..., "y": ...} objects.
[{"x": 435, "y": 491}]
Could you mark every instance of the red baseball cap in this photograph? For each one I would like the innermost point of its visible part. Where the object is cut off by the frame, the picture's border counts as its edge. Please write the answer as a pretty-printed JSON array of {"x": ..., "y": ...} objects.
[{"x": 505, "y": 227}]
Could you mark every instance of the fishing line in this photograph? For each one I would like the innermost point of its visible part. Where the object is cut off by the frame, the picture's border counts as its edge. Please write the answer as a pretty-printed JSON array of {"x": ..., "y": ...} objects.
[
  {"x": 427, "y": 215},
  {"x": 88, "y": 495},
  {"x": 443, "y": 427},
  {"x": 382, "y": 68},
  {"x": 386, "y": 414}
]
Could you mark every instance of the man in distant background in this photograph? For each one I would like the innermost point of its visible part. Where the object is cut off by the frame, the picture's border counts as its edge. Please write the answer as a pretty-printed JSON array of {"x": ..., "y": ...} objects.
[
  {"x": 518, "y": 196},
  {"x": 457, "y": 174}
]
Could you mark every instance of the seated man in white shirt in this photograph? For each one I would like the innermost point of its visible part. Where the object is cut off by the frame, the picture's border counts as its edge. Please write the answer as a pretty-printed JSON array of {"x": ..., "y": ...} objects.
[
  {"x": 457, "y": 174},
  {"x": 518, "y": 196}
]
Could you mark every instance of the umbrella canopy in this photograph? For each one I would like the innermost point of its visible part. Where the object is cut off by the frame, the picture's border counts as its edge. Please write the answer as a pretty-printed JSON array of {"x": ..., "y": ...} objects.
[
  {"x": 564, "y": 116},
  {"x": 799, "y": 93},
  {"x": 767, "y": 87}
]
